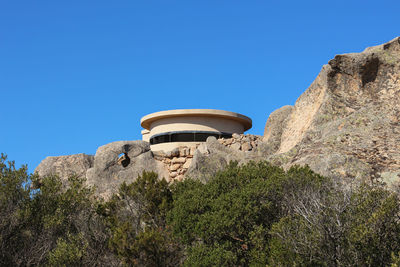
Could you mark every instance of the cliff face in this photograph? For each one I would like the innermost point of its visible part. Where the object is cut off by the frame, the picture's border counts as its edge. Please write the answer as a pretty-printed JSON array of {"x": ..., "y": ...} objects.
[{"x": 345, "y": 125}]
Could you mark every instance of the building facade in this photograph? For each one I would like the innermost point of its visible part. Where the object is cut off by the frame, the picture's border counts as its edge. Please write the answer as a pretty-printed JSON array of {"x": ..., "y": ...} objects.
[{"x": 166, "y": 130}]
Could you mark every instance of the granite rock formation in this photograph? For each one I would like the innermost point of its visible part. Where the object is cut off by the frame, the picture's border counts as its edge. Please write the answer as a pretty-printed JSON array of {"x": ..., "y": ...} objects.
[
  {"x": 273, "y": 129},
  {"x": 105, "y": 171},
  {"x": 214, "y": 154},
  {"x": 108, "y": 172},
  {"x": 346, "y": 125},
  {"x": 65, "y": 166}
]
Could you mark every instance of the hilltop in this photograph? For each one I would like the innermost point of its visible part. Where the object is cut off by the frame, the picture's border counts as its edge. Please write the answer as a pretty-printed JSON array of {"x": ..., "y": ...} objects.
[{"x": 345, "y": 125}]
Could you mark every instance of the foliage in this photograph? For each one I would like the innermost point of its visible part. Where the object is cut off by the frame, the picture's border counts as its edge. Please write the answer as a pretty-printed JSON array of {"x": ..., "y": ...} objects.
[
  {"x": 254, "y": 214},
  {"x": 228, "y": 219},
  {"x": 136, "y": 220},
  {"x": 43, "y": 224},
  {"x": 338, "y": 226},
  {"x": 65, "y": 214},
  {"x": 395, "y": 260},
  {"x": 13, "y": 195},
  {"x": 68, "y": 252}
]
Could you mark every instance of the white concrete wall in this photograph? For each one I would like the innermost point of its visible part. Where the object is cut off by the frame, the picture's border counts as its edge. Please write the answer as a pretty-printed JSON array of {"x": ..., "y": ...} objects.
[
  {"x": 170, "y": 146},
  {"x": 146, "y": 135}
]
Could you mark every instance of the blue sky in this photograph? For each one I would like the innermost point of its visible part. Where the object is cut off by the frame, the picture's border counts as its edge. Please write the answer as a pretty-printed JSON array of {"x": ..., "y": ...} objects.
[{"x": 75, "y": 75}]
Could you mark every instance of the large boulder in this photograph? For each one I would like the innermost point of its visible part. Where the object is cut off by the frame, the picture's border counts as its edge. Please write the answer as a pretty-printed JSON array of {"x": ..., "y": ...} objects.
[
  {"x": 274, "y": 127},
  {"x": 347, "y": 123},
  {"x": 108, "y": 172},
  {"x": 65, "y": 166},
  {"x": 113, "y": 164}
]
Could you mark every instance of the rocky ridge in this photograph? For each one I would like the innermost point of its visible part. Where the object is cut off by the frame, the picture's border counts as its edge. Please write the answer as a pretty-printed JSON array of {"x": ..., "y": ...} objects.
[
  {"x": 123, "y": 161},
  {"x": 345, "y": 125}
]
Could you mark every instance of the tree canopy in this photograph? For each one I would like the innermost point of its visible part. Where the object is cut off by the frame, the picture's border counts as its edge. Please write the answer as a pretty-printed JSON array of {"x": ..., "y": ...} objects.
[{"x": 254, "y": 214}]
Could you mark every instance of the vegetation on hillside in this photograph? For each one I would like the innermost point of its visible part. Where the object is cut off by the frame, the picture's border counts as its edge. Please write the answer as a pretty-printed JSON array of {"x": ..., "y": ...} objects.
[{"x": 248, "y": 215}]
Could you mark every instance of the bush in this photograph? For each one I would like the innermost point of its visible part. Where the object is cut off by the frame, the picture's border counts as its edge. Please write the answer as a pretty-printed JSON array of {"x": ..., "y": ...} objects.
[
  {"x": 14, "y": 195},
  {"x": 227, "y": 220},
  {"x": 136, "y": 221},
  {"x": 255, "y": 214},
  {"x": 338, "y": 227},
  {"x": 48, "y": 225}
]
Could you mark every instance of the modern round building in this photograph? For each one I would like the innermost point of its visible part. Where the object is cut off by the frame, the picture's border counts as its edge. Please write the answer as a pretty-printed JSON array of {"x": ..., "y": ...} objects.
[{"x": 166, "y": 130}]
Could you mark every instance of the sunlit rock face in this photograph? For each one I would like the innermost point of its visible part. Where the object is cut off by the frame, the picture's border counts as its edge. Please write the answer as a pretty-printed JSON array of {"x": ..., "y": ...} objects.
[
  {"x": 113, "y": 164},
  {"x": 346, "y": 124},
  {"x": 119, "y": 162},
  {"x": 65, "y": 166}
]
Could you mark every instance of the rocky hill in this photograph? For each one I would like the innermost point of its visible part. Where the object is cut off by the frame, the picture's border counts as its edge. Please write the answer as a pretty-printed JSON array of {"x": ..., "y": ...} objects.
[{"x": 345, "y": 125}]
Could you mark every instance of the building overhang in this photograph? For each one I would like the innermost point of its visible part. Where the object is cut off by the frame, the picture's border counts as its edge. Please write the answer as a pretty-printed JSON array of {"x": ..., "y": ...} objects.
[{"x": 147, "y": 120}]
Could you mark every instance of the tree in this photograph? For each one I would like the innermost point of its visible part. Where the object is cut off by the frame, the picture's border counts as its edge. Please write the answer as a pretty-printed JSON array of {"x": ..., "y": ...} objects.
[
  {"x": 227, "y": 220},
  {"x": 136, "y": 220},
  {"x": 337, "y": 226},
  {"x": 64, "y": 216},
  {"x": 248, "y": 215},
  {"x": 39, "y": 227},
  {"x": 14, "y": 194}
]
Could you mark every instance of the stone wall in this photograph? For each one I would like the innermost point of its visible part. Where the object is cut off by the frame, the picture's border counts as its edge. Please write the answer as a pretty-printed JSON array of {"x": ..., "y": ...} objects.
[
  {"x": 177, "y": 162},
  {"x": 242, "y": 142}
]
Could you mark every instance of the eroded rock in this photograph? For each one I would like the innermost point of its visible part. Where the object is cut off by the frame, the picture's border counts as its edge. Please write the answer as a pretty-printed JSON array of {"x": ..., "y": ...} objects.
[
  {"x": 346, "y": 124},
  {"x": 107, "y": 174},
  {"x": 65, "y": 166}
]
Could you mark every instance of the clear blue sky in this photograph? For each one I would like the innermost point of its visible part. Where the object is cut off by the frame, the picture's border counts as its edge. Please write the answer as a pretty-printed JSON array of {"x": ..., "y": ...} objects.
[{"x": 75, "y": 75}]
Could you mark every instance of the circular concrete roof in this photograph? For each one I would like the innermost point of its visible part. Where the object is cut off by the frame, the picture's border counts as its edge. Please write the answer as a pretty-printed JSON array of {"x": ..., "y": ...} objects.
[{"x": 146, "y": 121}]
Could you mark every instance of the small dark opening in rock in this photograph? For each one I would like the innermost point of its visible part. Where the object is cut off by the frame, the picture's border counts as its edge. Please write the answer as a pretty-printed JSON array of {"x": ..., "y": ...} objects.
[
  {"x": 123, "y": 159},
  {"x": 386, "y": 46},
  {"x": 369, "y": 71}
]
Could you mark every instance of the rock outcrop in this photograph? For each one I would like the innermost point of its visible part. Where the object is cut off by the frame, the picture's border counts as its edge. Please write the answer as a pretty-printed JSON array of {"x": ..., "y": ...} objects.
[
  {"x": 65, "y": 166},
  {"x": 274, "y": 127},
  {"x": 346, "y": 124},
  {"x": 214, "y": 154},
  {"x": 107, "y": 170}
]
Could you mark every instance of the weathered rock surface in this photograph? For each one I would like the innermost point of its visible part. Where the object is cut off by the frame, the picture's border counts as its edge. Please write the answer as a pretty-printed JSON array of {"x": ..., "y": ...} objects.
[
  {"x": 108, "y": 173},
  {"x": 65, "y": 166},
  {"x": 106, "y": 170},
  {"x": 346, "y": 124},
  {"x": 213, "y": 155},
  {"x": 273, "y": 129}
]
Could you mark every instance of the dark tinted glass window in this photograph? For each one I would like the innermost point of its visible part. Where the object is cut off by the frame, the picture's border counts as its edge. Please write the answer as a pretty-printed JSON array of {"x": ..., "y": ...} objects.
[
  {"x": 164, "y": 138},
  {"x": 201, "y": 137},
  {"x": 159, "y": 139},
  {"x": 186, "y": 137},
  {"x": 182, "y": 137},
  {"x": 226, "y": 136}
]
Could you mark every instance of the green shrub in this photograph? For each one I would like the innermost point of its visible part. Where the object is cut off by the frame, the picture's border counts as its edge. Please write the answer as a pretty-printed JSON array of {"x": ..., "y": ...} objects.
[{"x": 227, "y": 220}]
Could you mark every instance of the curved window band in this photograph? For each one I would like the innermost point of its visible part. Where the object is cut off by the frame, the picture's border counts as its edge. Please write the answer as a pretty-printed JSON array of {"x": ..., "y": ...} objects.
[{"x": 186, "y": 136}]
